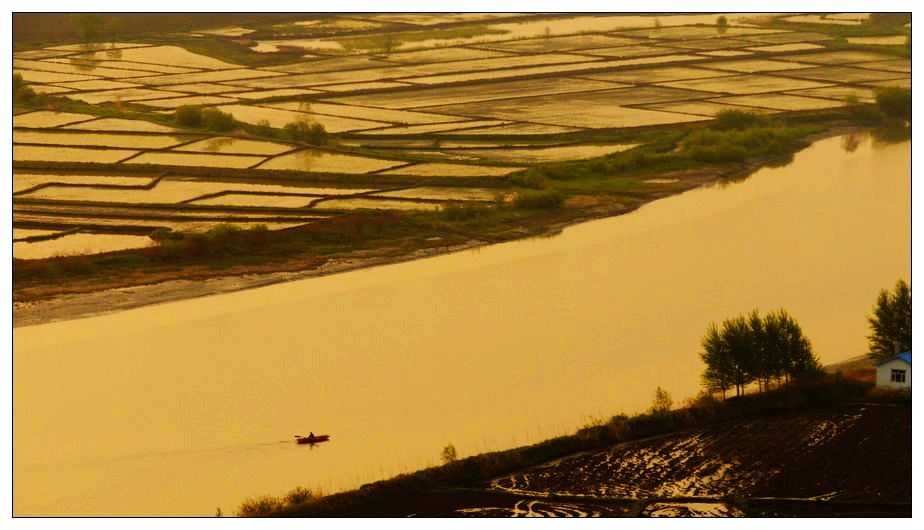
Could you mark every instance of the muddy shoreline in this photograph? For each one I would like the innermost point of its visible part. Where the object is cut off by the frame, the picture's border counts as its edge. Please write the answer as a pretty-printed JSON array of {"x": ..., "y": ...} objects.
[{"x": 129, "y": 294}]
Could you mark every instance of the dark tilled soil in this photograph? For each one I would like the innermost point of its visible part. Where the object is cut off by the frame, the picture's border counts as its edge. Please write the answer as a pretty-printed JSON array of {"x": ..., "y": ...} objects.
[
  {"x": 827, "y": 509},
  {"x": 856, "y": 452},
  {"x": 848, "y": 460},
  {"x": 469, "y": 503}
]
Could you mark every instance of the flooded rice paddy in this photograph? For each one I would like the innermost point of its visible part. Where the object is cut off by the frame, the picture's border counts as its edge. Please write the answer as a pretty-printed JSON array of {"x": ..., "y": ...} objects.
[
  {"x": 450, "y": 170},
  {"x": 274, "y": 201},
  {"x": 435, "y": 193},
  {"x": 196, "y": 159},
  {"x": 280, "y": 117},
  {"x": 169, "y": 190},
  {"x": 888, "y": 40},
  {"x": 161, "y": 55},
  {"x": 121, "y": 125},
  {"x": 78, "y": 244},
  {"x": 548, "y": 154},
  {"x": 127, "y": 94},
  {"x": 126, "y": 141},
  {"x": 23, "y": 181},
  {"x": 614, "y": 73},
  {"x": 237, "y": 146},
  {"x": 375, "y": 204},
  {"x": 41, "y": 153},
  {"x": 327, "y": 162},
  {"x": 781, "y": 102},
  {"x": 744, "y": 84},
  {"x": 43, "y": 118},
  {"x": 25, "y": 233}
]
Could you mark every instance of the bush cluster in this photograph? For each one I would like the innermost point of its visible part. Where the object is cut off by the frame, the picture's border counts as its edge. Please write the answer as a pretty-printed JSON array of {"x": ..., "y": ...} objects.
[
  {"x": 532, "y": 178},
  {"x": 308, "y": 131},
  {"x": 350, "y": 228},
  {"x": 204, "y": 118},
  {"x": 739, "y": 119},
  {"x": 464, "y": 211},
  {"x": 222, "y": 240},
  {"x": 23, "y": 93},
  {"x": 894, "y": 102},
  {"x": 539, "y": 199},
  {"x": 267, "y": 504},
  {"x": 715, "y": 145}
]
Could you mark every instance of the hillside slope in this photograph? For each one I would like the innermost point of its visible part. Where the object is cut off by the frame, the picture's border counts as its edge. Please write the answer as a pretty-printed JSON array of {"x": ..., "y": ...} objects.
[{"x": 847, "y": 459}]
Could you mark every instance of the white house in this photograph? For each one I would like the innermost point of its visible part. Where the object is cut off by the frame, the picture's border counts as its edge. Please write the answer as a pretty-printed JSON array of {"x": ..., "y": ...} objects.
[{"x": 895, "y": 372}]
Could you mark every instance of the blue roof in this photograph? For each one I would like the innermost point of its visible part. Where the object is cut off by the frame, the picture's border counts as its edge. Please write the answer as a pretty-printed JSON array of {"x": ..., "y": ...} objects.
[{"x": 906, "y": 356}]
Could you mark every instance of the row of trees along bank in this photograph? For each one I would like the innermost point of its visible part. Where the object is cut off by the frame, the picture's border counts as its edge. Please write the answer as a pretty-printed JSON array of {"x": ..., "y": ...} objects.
[{"x": 750, "y": 348}]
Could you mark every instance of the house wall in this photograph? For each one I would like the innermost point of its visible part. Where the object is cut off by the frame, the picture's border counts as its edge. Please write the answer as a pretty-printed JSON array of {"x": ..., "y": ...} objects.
[{"x": 884, "y": 374}]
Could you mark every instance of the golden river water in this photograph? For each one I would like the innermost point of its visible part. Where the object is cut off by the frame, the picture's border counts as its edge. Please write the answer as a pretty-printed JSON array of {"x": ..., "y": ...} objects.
[{"x": 184, "y": 407}]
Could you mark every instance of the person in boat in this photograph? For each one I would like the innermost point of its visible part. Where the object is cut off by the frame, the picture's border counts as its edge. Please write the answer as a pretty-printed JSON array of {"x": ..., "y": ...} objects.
[{"x": 311, "y": 436}]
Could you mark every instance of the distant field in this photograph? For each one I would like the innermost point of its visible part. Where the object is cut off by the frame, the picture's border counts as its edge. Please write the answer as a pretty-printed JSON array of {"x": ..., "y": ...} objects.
[
  {"x": 393, "y": 92},
  {"x": 31, "y": 27}
]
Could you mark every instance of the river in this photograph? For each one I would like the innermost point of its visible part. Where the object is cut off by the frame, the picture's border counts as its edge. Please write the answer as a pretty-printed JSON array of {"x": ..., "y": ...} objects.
[{"x": 184, "y": 407}]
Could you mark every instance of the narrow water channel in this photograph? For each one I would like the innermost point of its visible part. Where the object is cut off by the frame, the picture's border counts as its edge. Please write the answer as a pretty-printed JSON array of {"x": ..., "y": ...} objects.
[{"x": 184, "y": 407}]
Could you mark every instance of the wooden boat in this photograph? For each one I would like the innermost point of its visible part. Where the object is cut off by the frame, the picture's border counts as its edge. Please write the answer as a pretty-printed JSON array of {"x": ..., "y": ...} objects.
[{"x": 312, "y": 440}]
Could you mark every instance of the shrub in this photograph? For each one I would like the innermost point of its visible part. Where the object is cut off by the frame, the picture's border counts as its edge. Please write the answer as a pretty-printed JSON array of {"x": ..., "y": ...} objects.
[
  {"x": 539, "y": 200},
  {"x": 733, "y": 144},
  {"x": 308, "y": 131},
  {"x": 628, "y": 161},
  {"x": 465, "y": 211},
  {"x": 299, "y": 495},
  {"x": 260, "y": 506},
  {"x": 894, "y": 102},
  {"x": 718, "y": 153},
  {"x": 739, "y": 119},
  {"x": 208, "y": 118},
  {"x": 221, "y": 240},
  {"x": 263, "y": 128},
  {"x": 448, "y": 454},
  {"x": 531, "y": 178},
  {"x": 662, "y": 402},
  {"x": 23, "y": 93},
  {"x": 188, "y": 115},
  {"x": 216, "y": 120}
]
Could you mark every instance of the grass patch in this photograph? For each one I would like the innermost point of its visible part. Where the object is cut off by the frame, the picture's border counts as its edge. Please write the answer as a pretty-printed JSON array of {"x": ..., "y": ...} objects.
[
  {"x": 390, "y": 41},
  {"x": 551, "y": 199},
  {"x": 733, "y": 138},
  {"x": 467, "y": 211},
  {"x": 878, "y": 24},
  {"x": 610, "y": 184}
]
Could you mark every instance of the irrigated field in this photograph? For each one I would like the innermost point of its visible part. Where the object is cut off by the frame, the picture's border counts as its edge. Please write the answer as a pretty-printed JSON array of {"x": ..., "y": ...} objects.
[{"x": 510, "y": 85}]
